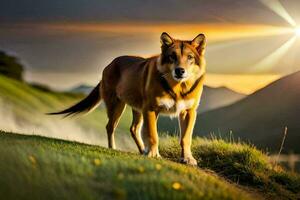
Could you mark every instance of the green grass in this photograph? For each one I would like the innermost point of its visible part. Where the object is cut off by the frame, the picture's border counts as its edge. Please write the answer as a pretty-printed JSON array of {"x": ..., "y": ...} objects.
[
  {"x": 34, "y": 167},
  {"x": 240, "y": 163}
]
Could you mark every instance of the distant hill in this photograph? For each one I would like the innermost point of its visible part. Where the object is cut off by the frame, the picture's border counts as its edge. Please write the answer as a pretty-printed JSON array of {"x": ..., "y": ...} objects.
[
  {"x": 213, "y": 98},
  {"x": 261, "y": 117},
  {"x": 10, "y": 66},
  {"x": 84, "y": 89},
  {"x": 23, "y": 107}
]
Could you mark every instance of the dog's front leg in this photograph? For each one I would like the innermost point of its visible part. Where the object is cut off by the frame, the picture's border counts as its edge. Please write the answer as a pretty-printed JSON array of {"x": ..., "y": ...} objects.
[
  {"x": 187, "y": 121},
  {"x": 149, "y": 134}
]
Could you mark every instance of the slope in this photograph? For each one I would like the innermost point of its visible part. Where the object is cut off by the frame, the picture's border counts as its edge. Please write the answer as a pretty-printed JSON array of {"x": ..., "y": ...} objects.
[
  {"x": 23, "y": 108},
  {"x": 36, "y": 167}
]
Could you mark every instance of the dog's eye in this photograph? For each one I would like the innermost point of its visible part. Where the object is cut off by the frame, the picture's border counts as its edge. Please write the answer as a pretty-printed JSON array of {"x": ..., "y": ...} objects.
[
  {"x": 172, "y": 57},
  {"x": 190, "y": 57}
]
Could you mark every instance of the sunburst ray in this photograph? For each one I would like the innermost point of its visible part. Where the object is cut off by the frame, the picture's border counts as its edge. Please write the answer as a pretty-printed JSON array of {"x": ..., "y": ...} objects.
[
  {"x": 272, "y": 59},
  {"x": 278, "y": 8}
]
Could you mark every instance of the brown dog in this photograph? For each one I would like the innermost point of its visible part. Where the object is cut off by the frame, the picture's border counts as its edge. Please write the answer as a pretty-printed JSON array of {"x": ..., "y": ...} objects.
[{"x": 170, "y": 83}]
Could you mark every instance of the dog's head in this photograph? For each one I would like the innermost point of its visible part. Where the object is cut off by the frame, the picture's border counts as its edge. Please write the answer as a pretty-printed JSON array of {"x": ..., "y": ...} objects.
[{"x": 180, "y": 59}]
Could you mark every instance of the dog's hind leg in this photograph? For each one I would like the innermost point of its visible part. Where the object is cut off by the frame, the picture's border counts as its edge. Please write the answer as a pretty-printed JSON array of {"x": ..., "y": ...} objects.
[
  {"x": 115, "y": 109},
  {"x": 135, "y": 129}
]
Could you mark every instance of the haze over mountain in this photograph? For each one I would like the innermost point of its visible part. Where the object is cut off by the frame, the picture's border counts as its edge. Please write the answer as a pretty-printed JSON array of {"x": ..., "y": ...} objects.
[{"x": 261, "y": 117}]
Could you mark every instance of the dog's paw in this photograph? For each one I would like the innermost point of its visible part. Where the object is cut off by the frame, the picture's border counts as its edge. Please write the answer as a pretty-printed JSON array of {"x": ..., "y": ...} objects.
[
  {"x": 189, "y": 161},
  {"x": 152, "y": 154}
]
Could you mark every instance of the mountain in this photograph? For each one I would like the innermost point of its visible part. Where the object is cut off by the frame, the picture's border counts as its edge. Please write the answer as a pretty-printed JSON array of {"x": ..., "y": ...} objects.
[
  {"x": 261, "y": 117},
  {"x": 84, "y": 89},
  {"x": 213, "y": 98}
]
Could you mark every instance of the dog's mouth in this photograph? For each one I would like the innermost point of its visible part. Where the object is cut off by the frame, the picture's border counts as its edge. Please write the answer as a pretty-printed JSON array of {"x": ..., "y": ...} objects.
[{"x": 180, "y": 78}]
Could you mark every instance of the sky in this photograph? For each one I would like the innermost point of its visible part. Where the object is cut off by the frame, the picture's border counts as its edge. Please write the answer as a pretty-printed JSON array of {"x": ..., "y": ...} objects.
[{"x": 67, "y": 43}]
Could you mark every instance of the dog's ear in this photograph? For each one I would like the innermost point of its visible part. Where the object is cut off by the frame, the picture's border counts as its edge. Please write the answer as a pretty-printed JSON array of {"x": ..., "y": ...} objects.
[
  {"x": 199, "y": 43},
  {"x": 166, "y": 39}
]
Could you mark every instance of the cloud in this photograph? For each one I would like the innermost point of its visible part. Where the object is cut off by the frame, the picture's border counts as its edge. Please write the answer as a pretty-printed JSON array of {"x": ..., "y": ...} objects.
[{"x": 232, "y": 11}]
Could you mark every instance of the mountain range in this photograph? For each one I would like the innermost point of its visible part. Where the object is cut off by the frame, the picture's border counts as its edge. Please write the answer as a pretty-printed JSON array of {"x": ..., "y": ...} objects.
[
  {"x": 213, "y": 98},
  {"x": 261, "y": 117}
]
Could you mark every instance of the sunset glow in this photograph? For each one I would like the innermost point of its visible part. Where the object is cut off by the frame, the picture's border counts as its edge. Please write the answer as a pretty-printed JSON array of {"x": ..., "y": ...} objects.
[
  {"x": 243, "y": 57},
  {"x": 224, "y": 35},
  {"x": 242, "y": 83},
  {"x": 215, "y": 32}
]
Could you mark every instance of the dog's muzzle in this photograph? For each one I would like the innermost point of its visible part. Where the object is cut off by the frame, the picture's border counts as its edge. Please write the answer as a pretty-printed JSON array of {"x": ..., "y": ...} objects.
[{"x": 179, "y": 73}]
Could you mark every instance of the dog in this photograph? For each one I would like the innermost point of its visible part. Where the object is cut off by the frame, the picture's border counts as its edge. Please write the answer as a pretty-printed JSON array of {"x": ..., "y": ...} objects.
[{"x": 170, "y": 83}]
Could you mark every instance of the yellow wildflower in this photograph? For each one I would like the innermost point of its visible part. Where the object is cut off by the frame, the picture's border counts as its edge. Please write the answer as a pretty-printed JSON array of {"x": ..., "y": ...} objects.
[
  {"x": 176, "y": 186},
  {"x": 158, "y": 167},
  {"x": 141, "y": 169},
  {"x": 97, "y": 162}
]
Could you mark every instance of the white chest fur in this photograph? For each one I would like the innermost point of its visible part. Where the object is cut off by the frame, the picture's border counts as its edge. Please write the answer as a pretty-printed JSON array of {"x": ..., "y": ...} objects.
[{"x": 170, "y": 106}]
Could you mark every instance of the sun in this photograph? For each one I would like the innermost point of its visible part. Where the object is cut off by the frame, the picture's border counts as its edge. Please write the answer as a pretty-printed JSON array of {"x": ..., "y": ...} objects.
[{"x": 297, "y": 31}]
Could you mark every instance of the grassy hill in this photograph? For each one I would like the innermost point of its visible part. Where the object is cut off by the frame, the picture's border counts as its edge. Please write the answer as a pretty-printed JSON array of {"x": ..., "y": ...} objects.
[
  {"x": 261, "y": 117},
  {"x": 23, "y": 108},
  {"x": 34, "y": 167}
]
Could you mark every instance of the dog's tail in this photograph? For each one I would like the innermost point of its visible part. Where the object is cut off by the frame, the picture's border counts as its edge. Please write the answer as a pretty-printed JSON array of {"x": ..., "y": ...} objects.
[{"x": 86, "y": 105}]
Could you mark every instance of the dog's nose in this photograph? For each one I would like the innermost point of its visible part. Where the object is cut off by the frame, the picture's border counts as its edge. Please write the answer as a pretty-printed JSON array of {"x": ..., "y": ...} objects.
[{"x": 179, "y": 71}]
